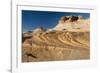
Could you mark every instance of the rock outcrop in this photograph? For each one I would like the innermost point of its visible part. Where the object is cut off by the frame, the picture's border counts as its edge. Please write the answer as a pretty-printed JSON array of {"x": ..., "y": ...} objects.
[
  {"x": 60, "y": 43},
  {"x": 71, "y": 23}
]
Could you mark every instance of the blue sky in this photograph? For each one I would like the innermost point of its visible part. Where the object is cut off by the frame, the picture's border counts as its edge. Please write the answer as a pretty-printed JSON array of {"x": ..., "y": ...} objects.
[{"x": 34, "y": 19}]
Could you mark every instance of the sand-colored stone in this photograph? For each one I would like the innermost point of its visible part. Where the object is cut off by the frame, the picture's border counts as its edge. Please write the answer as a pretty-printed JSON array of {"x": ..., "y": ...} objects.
[{"x": 58, "y": 44}]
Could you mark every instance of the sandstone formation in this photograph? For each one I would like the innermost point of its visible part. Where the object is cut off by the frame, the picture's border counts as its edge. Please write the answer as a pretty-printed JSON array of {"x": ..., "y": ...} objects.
[
  {"x": 66, "y": 41},
  {"x": 71, "y": 23}
]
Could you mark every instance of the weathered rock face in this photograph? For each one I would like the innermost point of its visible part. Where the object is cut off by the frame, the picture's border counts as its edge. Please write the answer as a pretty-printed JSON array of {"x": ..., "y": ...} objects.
[
  {"x": 69, "y": 18},
  {"x": 56, "y": 45},
  {"x": 73, "y": 23}
]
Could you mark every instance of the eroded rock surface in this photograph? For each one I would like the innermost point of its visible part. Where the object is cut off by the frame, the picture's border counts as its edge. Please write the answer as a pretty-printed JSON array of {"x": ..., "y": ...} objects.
[{"x": 59, "y": 44}]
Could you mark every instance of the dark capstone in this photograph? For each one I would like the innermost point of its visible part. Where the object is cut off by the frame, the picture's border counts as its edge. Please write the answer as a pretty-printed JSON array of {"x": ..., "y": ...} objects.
[{"x": 74, "y": 18}]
